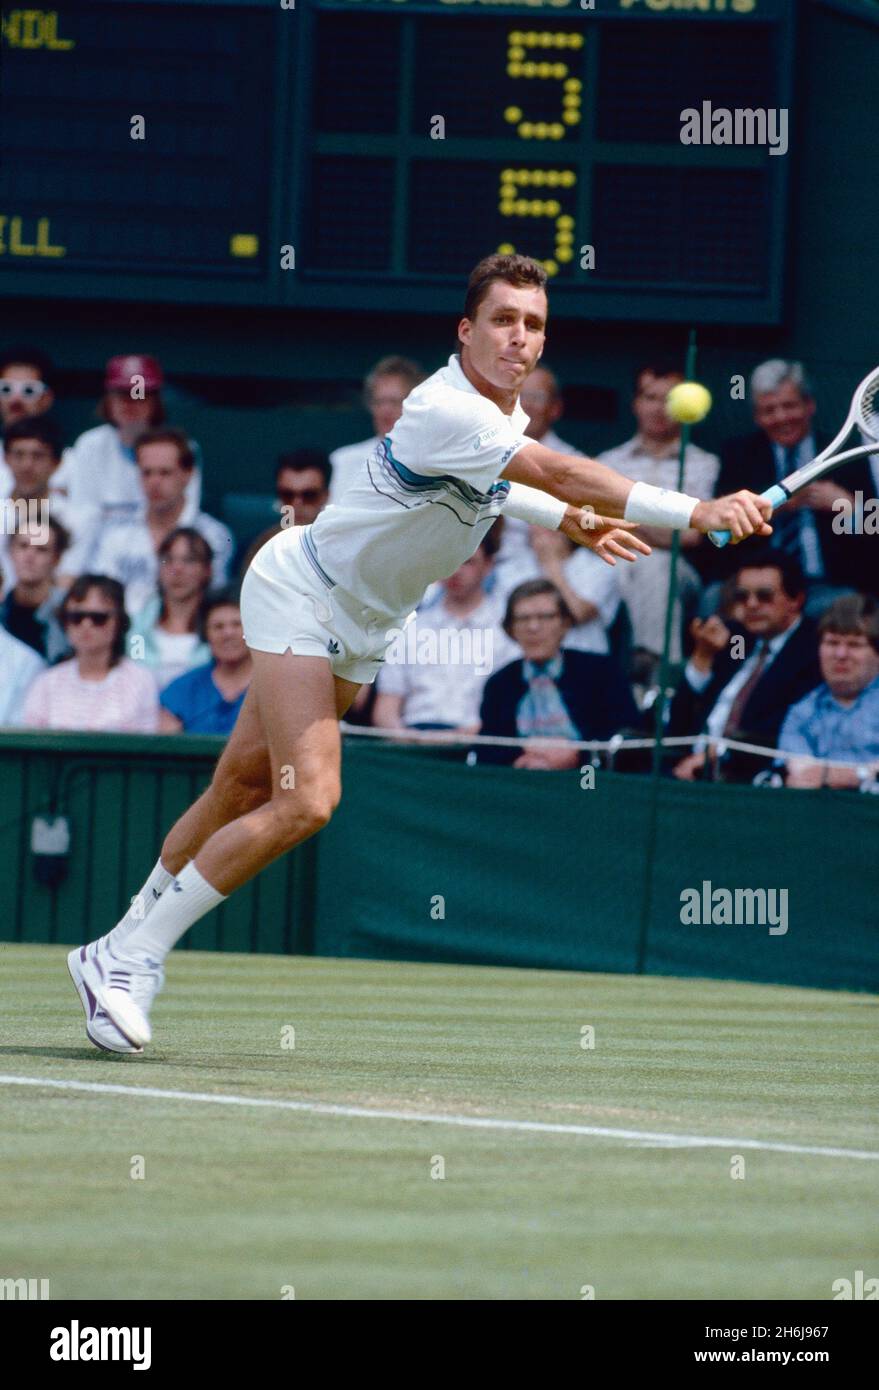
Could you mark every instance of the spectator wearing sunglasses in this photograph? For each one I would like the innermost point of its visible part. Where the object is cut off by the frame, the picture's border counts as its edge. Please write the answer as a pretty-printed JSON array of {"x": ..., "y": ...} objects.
[
  {"x": 26, "y": 392},
  {"x": 302, "y": 490},
  {"x": 97, "y": 688},
  {"x": 33, "y": 456},
  {"x": 101, "y": 467},
  {"x": 128, "y": 550},
  {"x": 744, "y": 689}
]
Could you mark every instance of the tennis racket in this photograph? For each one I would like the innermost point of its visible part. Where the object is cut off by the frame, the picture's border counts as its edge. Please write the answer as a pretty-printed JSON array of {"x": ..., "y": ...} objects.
[{"x": 863, "y": 413}]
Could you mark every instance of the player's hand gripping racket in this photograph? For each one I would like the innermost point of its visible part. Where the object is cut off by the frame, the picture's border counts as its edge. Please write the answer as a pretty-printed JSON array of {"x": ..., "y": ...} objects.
[{"x": 863, "y": 412}]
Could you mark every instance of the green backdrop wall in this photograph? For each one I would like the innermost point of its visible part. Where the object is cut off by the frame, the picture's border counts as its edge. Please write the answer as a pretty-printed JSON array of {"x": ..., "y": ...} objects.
[{"x": 429, "y": 859}]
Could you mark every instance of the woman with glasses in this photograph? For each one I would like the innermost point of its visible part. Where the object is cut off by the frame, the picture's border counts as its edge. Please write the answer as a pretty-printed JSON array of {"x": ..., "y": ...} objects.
[
  {"x": 551, "y": 692},
  {"x": 166, "y": 634},
  {"x": 97, "y": 688}
]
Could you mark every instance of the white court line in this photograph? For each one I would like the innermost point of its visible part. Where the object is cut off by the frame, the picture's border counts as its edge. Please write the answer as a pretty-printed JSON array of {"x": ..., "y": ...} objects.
[{"x": 677, "y": 1141}]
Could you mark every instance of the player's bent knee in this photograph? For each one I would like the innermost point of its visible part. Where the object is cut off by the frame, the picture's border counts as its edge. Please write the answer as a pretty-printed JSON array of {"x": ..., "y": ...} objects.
[{"x": 306, "y": 814}]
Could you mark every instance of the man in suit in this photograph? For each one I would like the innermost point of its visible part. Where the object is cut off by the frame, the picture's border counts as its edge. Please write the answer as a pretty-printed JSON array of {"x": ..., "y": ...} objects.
[
  {"x": 742, "y": 686},
  {"x": 808, "y": 527},
  {"x": 551, "y": 692}
]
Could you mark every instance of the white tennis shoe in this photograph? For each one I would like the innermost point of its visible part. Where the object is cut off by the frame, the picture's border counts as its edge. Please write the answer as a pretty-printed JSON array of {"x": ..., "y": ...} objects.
[
  {"x": 87, "y": 974},
  {"x": 123, "y": 989}
]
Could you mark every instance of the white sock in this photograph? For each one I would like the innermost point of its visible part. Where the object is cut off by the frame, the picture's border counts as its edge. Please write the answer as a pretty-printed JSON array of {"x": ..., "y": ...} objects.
[
  {"x": 141, "y": 905},
  {"x": 187, "y": 900}
]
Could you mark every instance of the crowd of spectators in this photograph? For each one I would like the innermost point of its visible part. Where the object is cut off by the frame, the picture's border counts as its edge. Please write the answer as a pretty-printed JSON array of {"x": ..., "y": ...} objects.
[{"x": 119, "y": 611}]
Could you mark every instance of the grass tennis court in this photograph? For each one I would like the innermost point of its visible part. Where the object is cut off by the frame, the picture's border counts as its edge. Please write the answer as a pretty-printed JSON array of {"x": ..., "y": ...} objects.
[{"x": 240, "y": 1201}]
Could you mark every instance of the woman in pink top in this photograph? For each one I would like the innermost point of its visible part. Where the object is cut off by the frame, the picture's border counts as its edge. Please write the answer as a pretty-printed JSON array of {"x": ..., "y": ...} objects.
[{"x": 98, "y": 687}]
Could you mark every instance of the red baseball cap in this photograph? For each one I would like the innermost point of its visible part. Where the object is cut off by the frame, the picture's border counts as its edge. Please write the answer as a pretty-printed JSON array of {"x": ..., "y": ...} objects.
[{"x": 120, "y": 370}]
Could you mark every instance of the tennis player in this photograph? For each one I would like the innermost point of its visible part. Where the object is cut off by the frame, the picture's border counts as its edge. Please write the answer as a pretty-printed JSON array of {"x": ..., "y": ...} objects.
[{"x": 319, "y": 605}]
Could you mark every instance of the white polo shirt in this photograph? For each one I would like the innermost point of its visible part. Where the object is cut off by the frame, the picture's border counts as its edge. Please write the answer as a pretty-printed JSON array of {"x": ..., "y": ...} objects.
[{"x": 426, "y": 497}]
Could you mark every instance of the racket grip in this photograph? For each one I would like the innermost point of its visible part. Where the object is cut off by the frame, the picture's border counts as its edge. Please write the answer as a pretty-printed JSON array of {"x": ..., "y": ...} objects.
[{"x": 776, "y": 495}]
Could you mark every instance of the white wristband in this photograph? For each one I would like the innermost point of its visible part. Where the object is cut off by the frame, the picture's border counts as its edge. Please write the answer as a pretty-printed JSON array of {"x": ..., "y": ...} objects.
[
  {"x": 658, "y": 506},
  {"x": 531, "y": 504}
]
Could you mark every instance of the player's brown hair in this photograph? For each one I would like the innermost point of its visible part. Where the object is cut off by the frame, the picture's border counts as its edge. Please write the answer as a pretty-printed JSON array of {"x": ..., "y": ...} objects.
[
  {"x": 852, "y": 615},
  {"x": 520, "y": 271}
]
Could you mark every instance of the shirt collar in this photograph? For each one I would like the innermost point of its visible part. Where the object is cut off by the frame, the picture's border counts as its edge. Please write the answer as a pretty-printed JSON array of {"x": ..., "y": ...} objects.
[
  {"x": 463, "y": 382},
  {"x": 668, "y": 451},
  {"x": 827, "y": 696},
  {"x": 551, "y": 668},
  {"x": 805, "y": 447},
  {"x": 775, "y": 644}
]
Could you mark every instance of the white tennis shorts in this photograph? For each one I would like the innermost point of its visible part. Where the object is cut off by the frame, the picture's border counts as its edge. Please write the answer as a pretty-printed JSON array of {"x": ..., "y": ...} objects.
[{"x": 287, "y": 604}]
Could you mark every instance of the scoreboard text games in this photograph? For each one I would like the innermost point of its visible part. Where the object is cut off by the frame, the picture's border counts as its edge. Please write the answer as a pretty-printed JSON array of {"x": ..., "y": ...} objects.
[{"x": 365, "y": 153}]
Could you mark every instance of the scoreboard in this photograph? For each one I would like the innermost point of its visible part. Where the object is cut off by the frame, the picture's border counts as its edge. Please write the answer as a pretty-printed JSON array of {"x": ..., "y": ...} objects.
[{"x": 364, "y": 154}]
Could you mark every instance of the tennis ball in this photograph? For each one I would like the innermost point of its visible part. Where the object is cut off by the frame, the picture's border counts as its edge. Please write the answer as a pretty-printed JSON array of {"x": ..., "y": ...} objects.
[{"x": 688, "y": 402}]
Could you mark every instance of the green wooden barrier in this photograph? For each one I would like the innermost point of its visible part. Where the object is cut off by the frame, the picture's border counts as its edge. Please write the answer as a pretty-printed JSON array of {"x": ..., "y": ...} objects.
[
  {"x": 427, "y": 859},
  {"x": 120, "y": 794}
]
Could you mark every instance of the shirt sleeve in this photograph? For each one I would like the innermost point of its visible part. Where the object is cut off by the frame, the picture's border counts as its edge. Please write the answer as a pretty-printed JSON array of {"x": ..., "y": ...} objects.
[
  {"x": 76, "y": 473},
  {"x": 174, "y": 698},
  {"x": 106, "y": 556},
  {"x": 700, "y": 475},
  {"x": 223, "y": 548},
  {"x": 84, "y": 527},
  {"x": 596, "y": 582},
  {"x": 34, "y": 713},
  {"x": 792, "y": 738},
  {"x": 393, "y": 680},
  {"x": 466, "y": 437},
  {"x": 145, "y": 709},
  {"x": 697, "y": 680}
]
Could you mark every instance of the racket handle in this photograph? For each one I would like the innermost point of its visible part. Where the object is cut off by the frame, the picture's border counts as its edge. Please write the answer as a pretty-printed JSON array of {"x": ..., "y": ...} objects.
[{"x": 776, "y": 495}]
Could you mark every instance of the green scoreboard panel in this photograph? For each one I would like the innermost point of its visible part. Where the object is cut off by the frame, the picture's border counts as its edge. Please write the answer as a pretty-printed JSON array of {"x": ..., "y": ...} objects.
[{"x": 364, "y": 154}]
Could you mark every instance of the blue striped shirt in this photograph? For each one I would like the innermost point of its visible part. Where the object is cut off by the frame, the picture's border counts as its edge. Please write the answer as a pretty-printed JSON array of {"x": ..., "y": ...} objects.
[{"x": 820, "y": 726}]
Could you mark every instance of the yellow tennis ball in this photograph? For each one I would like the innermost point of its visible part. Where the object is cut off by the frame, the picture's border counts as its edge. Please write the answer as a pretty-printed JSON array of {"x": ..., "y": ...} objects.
[{"x": 688, "y": 402}]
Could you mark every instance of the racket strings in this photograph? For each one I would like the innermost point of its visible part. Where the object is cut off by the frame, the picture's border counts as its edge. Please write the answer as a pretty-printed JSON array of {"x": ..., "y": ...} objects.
[{"x": 868, "y": 408}]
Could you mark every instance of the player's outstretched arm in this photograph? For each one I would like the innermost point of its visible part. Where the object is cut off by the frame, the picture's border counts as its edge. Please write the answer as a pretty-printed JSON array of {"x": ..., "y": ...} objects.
[
  {"x": 581, "y": 482},
  {"x": 584, "y": 482}
]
